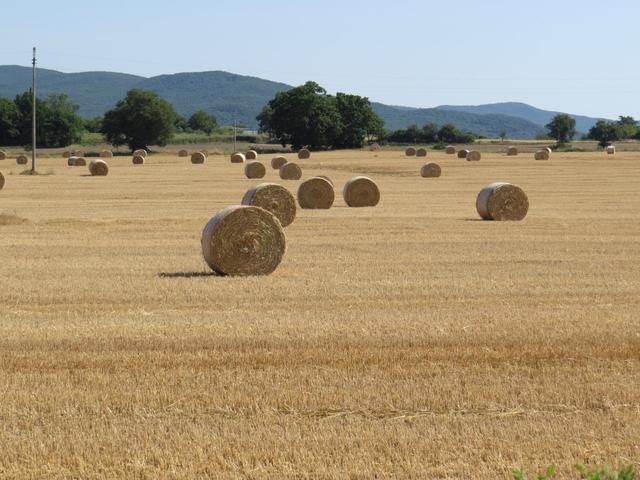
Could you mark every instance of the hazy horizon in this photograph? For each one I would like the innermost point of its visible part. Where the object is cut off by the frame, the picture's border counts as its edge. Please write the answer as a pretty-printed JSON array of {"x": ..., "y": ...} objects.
[{"x": 561, "y": 57}]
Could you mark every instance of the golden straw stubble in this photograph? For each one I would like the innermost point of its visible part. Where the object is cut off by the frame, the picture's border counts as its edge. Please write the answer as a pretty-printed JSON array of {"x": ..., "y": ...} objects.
[
  {"x": 243, "y": 241},
  {"x": 430, "y": 170},
  {"x": 502, "y": 201},
  {"x": 361, "y": 192},
  {"x": 255, "y": 169},
  {"x": 316, "y": 193},
  {"x": 98, "y": 168},
  {"x": 273, "y": 198}
]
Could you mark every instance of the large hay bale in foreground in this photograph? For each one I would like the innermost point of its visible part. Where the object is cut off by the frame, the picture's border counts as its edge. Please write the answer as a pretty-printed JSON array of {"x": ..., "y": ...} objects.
[
  {"x": 22, "y": 160},
  {"x": 327, "y": 179},
  {"x": 277, "y": 162},
  {"x": 243, "y": 241},
  {"x": 290, "y": 171},
  {"x": 611, "y": 150},
  {"x": 3, "y": 155},
  {"x": 502, "y": 202},
  {"x": 430, "y": 170},
  {"x": 304, "y": 154},
  {"x": 98, "y": 168},
  {"x": 237, "y": 158},
  {"x": 361, "y": 192},
  {"x": 251, "y": 155},
  {"x": 474, "y": 156},
  {"x": 1, "y": 181},
  {"x": 198, "y": 158},
  {"x": 142, "y": 152},
  {"x": 421, "y": 152},
  {"x": 541, "y": 155},
  {"x": 463, "y": 153},
  {"x": 512, "y": 151},
  {"x": 273, "y": 198},
  {"x": 183, "y": 153},
  {"x": 450, "y": 150},
  {"x": 316, "y": 193},
  {"x": 255, "y": 169},
  {"x": 410, "y": 152},
  {"x": 138, "y": 160},
  {"x": 106, "y": 154}
]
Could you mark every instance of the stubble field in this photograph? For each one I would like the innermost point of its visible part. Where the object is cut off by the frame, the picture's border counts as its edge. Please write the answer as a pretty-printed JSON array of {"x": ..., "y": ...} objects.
[{"x": 409, "y": 340}]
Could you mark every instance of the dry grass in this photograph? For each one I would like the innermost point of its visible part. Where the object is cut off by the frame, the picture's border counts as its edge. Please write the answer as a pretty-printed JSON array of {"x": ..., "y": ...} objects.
[{"x": 409, "y": 340}]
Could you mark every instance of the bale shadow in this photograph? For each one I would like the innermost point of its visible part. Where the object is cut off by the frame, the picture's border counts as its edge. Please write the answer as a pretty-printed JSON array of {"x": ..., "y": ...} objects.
[{"x": 187, "y": 274}]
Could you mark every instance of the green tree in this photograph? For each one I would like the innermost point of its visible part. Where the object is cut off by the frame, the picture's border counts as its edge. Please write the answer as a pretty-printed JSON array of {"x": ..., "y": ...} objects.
[
  {"x": 302, "y": 116},
  {"x": 503, "y": 135},
  {"x": 358, "y": 120},
  {"x": 562, "y": 128},
  {"x": 430, "y": 133},
  {"x": 8, "y": 122},
  {"x": 93, "y": 125},
  {"x": 604, "y": 132},
  {"x": 140, "y": 120},
  {"x": 203, "y": 122},
  {"x": 627, "y": 127}
]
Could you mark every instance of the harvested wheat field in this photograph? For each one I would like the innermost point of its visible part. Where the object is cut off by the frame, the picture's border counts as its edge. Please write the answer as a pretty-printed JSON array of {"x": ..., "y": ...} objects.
[{"x": 407, "y": 340}]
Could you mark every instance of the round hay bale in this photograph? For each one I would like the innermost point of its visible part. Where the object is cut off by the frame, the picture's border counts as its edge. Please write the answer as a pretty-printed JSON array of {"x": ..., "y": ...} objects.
[
  {"x": 183, "y": 153},
  {"x": 98, "y": 168},
  {"x": 198, "y": 158},
  {"x": 463, "y": 154},
  {"x": 548, "y": 149},
  {"x": 304, "y": 154},
  {"x": 375, "y": 147},
  {"x": 502, "y": 202},
  {"x": 237, "y": 158},
  {"x": 327, "y": 179},
  {"x": 290, "y": 171},
  {"x": 450, "y": 150},
  {"x": 3, "y": 155},
  {"x": 106, "y": 154},
  {"x": 275, "y": 199},
  {"x": 71, "y": 161},
  {"x": 243, "y": 241},
  {"x": 141, "y": 152},
  {"x": 138, "y": 160},
  {"x": 410, "y": 152},
  {"x": 316, "y": 193},
  {"x": 254, "y": 169},
  {"x": 205, "y": 151},
  {"x": 22, "y": 160},
  {"x": 277, "y": 162},
  {"x": 80, "y": 162},
  {"x": 1, "y": 181},
  {"x": 251, "y": 155},
  {"x": 474, "y": 156},
  {"x": 430, "y": 170},
  {"x": 421, "y": 152},
  {"x": 541, "y": 155},
  {"x": 611, "y": 150},
  {"x": 361, "y": 192},
  {"x": 66, "y": 154},
  {"x": 512, "y": 151}
]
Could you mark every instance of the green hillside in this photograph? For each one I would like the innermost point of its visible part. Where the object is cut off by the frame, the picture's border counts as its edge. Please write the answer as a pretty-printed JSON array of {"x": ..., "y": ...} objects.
[{"x": 241, "y": 98}]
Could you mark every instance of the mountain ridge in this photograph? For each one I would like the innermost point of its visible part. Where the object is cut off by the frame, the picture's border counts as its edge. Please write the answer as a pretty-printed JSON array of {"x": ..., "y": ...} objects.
[{"x": 239, "y": 98}]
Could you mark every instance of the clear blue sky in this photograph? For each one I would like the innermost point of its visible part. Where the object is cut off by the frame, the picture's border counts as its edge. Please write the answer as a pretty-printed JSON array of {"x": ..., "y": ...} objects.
[{"x": 568, "y": 55}]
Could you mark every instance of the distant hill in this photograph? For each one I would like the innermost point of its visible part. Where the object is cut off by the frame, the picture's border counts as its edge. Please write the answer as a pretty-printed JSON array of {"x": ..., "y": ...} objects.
[
  {"x": 522, "y": 110},
  {"x": 490, "y": 125},
  {"x": 240, "y": 98}
]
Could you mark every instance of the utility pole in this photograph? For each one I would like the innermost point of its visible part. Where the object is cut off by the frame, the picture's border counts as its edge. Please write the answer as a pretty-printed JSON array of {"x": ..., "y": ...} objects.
[
  {"x": 33, "y": 114},
  {"x": 234, "y": 136}
]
